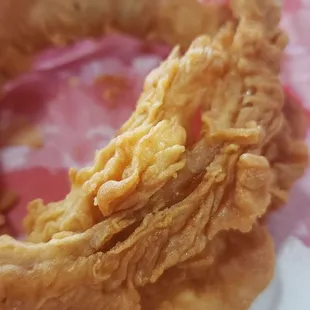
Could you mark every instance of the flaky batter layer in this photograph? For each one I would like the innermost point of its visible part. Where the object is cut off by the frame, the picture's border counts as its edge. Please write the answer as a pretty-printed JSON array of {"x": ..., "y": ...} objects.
[{"x": 159, "y": 205}]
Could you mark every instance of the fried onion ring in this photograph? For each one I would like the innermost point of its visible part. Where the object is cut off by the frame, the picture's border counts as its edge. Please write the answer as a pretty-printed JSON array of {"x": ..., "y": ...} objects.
[{"x": 156, "y": 207}]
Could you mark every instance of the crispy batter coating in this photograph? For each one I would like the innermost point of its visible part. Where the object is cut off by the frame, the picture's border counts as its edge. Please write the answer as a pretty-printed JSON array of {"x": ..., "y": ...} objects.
[
  {"x": 287, "y": 152},
  {"x": 205, "y": 281},
  {"x": 229, "y": 272},
  {"x": 31, "y": 25},
  {"x": 155, "y": 208}
]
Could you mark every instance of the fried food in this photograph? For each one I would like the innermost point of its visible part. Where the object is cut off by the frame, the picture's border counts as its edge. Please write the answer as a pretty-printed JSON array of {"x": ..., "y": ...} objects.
[
  {"x": 7, "y": 200},
  {"x": 215, "y": 279},
  {"x": 156, "y": 208},
  {"x": 19, "y": 131},
  {"x": 287, "y": 153}
]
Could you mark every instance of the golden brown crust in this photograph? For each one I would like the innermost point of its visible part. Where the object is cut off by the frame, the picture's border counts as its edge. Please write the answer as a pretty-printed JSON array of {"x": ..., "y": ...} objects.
[
  {"x": 218, "y": 278},
  {"x": 163, "y": 204},
  {"x": 29, "y": 26},
  {"x": 287, "y": 152}
]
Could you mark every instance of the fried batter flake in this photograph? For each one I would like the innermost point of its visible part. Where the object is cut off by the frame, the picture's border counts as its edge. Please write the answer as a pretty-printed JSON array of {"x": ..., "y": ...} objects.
[{"x": 159, "y": 222}]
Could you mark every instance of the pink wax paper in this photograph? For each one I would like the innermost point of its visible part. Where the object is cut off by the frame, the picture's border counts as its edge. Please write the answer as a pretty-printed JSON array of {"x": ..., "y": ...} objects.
[{"x": 67, "y": 97}]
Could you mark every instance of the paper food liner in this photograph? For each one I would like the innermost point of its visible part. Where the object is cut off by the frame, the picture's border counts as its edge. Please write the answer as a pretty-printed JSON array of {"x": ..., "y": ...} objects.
[{"x": 77, "y": 97}]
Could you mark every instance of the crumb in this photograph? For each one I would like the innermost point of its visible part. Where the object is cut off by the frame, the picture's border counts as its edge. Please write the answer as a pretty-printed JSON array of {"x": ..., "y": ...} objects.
[
  {"x": 19, "y": 131},
  {"x": 74, "y": 81},
  {"x": 59, "y": 40},
  {"x": 111, "y": 95},
  {"x": 2, "y": 220},
  {"x": 7, "y": 200},
  {"x": 114, "y": 86}
]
